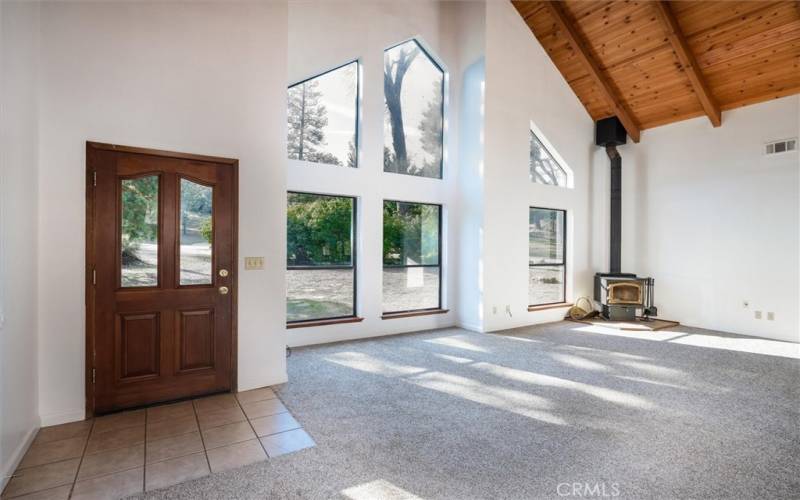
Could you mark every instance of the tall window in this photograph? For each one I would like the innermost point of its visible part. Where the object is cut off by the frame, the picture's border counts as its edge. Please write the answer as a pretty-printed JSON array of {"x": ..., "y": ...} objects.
[
  {"x": 411, "y": 256},
  {"x": 323, "y": 118},
  {"x": 413, "y": 87},
  {"x": 547, "y": 256},
  {"x": 320, "y": 257},
  {"x": 544, "y": 169}
]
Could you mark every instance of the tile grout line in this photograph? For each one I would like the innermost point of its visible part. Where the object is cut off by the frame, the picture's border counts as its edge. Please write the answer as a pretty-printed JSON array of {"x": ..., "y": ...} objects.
[
  {"x": 258, "y": 438},
  {"x": 195, "y": 414},
  {"x": 200, "y": 431},
  {"x": 80, "y": 463}
]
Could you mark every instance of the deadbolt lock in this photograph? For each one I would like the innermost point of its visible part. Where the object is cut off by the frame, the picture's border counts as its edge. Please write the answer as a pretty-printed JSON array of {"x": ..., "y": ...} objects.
[
  {"x": 223, "y": 290},
  {"x": 223, "y": 272}
]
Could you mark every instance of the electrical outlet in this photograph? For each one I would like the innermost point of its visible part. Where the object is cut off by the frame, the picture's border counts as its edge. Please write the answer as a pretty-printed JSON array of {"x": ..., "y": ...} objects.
[
  {"x": 252, "y": 263},
  {"x": 758, "y": 314},
  {"x": 494, "y": 309},
  {"x": 508, "y": 310},
  {"x": 745, "y": 304},
  {"x": 770, "y": 316}
]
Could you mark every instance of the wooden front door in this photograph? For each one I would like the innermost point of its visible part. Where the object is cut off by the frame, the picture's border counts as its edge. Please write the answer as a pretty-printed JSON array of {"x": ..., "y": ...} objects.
[{"x": 161, "y": 285}]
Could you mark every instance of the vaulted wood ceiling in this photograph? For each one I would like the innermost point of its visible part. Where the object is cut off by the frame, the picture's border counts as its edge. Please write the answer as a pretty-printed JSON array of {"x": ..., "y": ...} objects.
[{"x": 651, "y": 63}]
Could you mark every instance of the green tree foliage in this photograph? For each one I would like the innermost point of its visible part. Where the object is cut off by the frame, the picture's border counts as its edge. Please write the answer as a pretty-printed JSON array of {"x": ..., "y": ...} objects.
[
  {"x": 319, "y": 230},
  {"x": 206, "y": 230},
  {"x": 139, "y": 212},
  {"x": 410, "y": 233},
  {"x": 196, "y": 207},
  {"x": 195, "y": 197},
  {"x": 308, "y": 118}
]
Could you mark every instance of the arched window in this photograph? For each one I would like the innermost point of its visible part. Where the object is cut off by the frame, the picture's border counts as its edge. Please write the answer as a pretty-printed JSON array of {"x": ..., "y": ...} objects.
[
  {"x": 413, "y": 87},
  {"x": 544, "y": 168}
]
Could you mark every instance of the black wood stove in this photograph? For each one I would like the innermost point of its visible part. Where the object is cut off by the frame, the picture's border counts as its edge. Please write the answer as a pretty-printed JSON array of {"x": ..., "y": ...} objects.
[{"x": 620, "y": 295}]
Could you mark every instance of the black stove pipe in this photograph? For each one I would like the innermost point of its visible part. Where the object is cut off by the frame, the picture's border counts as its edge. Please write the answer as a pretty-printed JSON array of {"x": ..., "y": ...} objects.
[
  {"x": 609, "y": 133},
  {"x": 615, "y": 258}
]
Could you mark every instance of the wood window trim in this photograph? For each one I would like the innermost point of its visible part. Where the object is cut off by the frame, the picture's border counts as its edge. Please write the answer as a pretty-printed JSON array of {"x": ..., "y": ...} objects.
[
  {"x": 411, "y": 314},
  {"x": 545, "y": 307},
  {"x": 323, "y": 322}
]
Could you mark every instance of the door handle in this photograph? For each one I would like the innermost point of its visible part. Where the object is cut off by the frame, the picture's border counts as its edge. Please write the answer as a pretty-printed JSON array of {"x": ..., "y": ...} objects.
[{"x": 223, "y": 290}]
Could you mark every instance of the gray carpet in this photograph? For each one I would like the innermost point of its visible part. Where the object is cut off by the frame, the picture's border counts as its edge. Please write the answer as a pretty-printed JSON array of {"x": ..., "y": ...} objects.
[{"x": 452, "y": 414}]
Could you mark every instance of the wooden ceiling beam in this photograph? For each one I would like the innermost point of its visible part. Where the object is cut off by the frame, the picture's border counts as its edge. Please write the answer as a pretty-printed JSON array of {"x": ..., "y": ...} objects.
[
  {"x": 582, "y": 51},
  {"x": 689, "y": 63}
]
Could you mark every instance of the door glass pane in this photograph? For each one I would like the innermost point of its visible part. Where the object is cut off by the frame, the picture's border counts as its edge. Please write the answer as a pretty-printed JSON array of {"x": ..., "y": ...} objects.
[
  {"x": 196, "y": 233},
  {"x": 139, "y": 232}
]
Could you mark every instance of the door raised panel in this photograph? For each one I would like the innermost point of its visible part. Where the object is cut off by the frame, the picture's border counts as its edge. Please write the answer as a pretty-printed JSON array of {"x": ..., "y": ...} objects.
[
  {"x": 195, "y": 340},
  {"x": 138, "y": 346}
]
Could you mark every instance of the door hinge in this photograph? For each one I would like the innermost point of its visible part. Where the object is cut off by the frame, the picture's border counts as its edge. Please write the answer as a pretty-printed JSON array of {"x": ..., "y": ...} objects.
[
  {"x": 94, "y": 277},
  {"x": 94, "y": 375},
  {"x": 94, "y": 180}
]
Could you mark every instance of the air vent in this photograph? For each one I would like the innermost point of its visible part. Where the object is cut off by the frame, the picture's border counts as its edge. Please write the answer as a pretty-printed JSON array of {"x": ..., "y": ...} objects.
[{"x": 778, "y": 147}]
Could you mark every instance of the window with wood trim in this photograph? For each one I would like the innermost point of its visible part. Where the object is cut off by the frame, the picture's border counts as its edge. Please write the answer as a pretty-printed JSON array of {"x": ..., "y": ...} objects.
[
  {"x": 321, "y": 260},
  {"x": 323, "y": 117},
  {"x": 412, "y": 260},
  {"x": 413, "y": 87},
  {"x": 547, "y": 263}
]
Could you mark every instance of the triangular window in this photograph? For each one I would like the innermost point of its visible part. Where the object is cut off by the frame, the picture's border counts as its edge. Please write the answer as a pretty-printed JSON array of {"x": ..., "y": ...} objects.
[{"x": 544, "y": 168}]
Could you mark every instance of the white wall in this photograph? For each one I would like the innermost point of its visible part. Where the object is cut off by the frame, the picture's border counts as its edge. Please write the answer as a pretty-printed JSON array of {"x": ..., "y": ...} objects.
[
  {"x": 713, "y": 220},
  {"x": 206, "y": 78},
  {"x": 472, "y": 36},
  {"x": 19, "y": 415},
  {"x": 326, "y": 35},
  {"x": 523, "y": 86}
]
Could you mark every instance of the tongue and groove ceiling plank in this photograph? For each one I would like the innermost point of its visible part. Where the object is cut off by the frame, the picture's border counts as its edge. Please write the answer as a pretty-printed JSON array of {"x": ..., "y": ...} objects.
[{"x": 707, "y": 57}]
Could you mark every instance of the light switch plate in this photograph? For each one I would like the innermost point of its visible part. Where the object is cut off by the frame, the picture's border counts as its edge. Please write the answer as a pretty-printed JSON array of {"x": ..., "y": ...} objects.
[{"x": 252, "y": 263}]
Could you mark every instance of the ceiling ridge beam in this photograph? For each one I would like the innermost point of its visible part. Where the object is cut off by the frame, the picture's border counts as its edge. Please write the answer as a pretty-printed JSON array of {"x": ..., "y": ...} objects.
[
  {"x": 574, "y": 38},
  {"x": 689, "y": 63}
]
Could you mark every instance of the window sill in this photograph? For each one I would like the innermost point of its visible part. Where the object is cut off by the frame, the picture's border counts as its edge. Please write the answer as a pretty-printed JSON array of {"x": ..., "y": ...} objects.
[
  {"x": 323, "y": 322},
  {"x": 549, "y": 306},
  {"x": 411, "y": 314}
]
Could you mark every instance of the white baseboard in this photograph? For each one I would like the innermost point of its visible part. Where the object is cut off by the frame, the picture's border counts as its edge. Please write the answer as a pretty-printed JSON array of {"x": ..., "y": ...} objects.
[
  {"x": 470, "y": 327},
  {"x": 16, "y": 457},
  {"x": 63, "y": 417}
]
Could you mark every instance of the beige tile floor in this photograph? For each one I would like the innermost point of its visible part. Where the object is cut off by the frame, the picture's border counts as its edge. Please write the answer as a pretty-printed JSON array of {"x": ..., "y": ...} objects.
[{"x": 126, "y": 453}]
